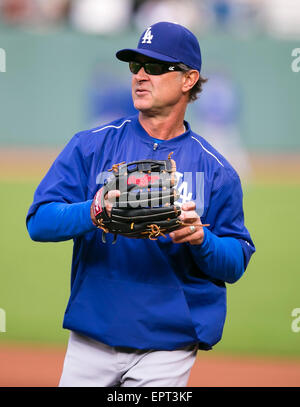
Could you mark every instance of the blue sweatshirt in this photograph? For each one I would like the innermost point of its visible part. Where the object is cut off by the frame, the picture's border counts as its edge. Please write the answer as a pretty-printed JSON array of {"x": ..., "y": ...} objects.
[{"x": 140, "y": 293}]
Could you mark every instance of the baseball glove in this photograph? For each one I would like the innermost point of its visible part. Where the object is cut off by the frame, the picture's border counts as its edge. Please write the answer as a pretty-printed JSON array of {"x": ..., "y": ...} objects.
[{"x": 145, "y": 208}]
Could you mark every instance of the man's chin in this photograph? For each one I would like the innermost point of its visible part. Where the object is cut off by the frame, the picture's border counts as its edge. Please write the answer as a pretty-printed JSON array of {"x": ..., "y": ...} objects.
[{"x": 142, "y": 107}]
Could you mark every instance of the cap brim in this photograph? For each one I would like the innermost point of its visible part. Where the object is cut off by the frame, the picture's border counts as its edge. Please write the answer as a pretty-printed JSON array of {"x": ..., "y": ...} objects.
[{"x": 127, "y": 55}]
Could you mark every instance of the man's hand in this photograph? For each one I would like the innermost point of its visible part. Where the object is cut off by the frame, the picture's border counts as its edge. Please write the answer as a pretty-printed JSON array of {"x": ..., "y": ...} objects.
[
  {"x": 109, "y": 200},
  {"x": 193, "y": 233}
]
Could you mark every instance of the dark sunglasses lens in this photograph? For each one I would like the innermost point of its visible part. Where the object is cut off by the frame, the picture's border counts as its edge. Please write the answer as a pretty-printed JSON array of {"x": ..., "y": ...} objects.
[
  {"x": 154, "y": 68},
  {"x": 134, "y": 67},
  {"x": 151, "y": 68}
]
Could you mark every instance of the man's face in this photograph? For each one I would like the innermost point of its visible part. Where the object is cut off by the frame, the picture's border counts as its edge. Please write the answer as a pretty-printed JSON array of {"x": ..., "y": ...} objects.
[{"x": 155, "y": 94}]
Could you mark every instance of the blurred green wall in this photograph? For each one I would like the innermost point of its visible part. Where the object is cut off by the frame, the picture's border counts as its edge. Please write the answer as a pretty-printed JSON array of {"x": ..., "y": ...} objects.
[{"x": 43, "y": 93}]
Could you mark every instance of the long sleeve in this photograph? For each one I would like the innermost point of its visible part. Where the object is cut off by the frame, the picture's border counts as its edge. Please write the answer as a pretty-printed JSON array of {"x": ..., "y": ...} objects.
[
  {"x": 56, "y": 221},
  {"x": 227, "y": 246},
  {"x": 220, "y": 258}
]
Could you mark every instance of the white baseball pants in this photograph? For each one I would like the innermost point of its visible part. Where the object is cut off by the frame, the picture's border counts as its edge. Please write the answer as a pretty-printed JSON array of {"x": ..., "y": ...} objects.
[{"x": 89, "y": 363}]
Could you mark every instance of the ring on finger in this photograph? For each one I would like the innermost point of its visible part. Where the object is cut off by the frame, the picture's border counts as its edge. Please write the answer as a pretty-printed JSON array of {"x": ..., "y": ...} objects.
[{"x": 192, "y": 229}]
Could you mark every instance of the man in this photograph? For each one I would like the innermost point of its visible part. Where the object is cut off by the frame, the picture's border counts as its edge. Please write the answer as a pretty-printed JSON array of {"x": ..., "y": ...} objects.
[{"x": 140, "y": 309}]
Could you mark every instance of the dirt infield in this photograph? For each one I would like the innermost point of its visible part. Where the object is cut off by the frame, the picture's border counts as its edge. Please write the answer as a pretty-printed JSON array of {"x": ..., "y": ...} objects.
[{"x": 24, "y": 366}]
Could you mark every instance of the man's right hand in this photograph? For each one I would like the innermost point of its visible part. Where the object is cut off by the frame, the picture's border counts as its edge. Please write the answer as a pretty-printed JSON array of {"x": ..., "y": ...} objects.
[{"x": 109, "y": 199}]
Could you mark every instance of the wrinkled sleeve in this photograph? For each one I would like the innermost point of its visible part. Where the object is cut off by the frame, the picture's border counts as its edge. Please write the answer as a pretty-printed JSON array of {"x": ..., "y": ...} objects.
[
  {"x": 55, "y": 222},
  {"x": 227, "y": 247},
  {"x": 66, "y": 180}
]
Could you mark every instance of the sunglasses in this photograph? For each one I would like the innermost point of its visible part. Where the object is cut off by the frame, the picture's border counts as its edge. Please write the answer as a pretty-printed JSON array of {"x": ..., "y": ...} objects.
[{"x": 152, "y": 68}]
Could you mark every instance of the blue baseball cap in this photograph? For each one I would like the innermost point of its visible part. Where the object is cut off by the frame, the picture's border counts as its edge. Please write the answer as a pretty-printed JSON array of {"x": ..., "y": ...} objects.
[{"x": 168, "y": 42}]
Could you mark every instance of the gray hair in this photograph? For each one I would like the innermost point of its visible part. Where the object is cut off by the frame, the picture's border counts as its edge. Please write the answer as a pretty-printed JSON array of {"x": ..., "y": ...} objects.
[{"x": 197, "y": 88}]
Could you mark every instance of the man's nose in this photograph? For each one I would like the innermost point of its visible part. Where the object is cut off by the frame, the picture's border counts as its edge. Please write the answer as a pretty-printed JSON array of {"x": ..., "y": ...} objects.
[{"x": 141, "y": 75}]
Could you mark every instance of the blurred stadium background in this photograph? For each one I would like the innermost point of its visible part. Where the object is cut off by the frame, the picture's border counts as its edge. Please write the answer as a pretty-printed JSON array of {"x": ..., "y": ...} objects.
[{"x": 61, "y": 76}]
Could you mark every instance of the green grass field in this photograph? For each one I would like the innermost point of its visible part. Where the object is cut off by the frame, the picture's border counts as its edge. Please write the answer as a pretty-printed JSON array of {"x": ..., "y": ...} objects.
[{"x": 34, "y": 285}]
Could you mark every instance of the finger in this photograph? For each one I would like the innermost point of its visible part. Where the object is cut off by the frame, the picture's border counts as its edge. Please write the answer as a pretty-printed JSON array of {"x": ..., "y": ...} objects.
[
  {"x": 193, "y": 238},
  {"x": 189, "y": 217},
  {"x": 112, "y": 195},
  {"x": 110, "y": 199},
  {"x": 182, "y": 233},
  {"x": 188, "y": 206}
]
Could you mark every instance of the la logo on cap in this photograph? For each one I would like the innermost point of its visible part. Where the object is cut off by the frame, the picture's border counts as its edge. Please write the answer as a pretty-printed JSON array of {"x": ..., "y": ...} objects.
[{"x": 147, "y": 38}]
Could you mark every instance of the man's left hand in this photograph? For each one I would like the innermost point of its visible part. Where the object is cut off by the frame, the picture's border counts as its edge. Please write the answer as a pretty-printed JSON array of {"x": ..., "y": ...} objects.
[{"x": 193, "y": 233}]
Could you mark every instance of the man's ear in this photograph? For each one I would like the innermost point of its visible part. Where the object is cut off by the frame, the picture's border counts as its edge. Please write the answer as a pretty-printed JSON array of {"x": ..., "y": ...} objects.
[{"x": 190, "y": 79}]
